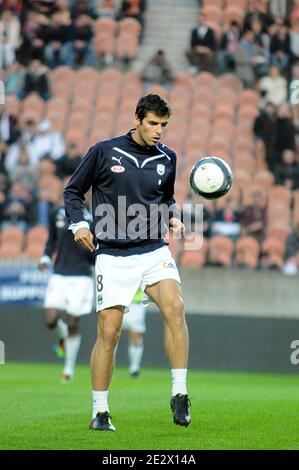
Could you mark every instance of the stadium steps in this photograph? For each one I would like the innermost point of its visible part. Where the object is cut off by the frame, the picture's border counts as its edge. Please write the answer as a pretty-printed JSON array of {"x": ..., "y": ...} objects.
[{"x": 168, "y": 27}]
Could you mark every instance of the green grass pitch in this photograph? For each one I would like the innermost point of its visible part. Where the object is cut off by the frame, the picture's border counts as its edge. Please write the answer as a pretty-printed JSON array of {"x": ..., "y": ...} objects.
[{"x": 229, "y": 411}]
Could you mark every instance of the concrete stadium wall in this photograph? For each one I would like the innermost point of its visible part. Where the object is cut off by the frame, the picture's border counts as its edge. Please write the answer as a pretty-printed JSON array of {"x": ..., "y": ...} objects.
[{"x": 238, "y": 320}]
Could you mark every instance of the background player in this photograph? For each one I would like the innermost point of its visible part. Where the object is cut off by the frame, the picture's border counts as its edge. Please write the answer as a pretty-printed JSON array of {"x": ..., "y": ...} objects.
[
  {"x": 134, "y": 323},
  {"x": 70, "y": 287}
]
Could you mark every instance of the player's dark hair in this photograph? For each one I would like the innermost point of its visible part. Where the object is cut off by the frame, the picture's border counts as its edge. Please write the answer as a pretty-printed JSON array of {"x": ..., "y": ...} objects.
[{"x": 153, "y": 103}]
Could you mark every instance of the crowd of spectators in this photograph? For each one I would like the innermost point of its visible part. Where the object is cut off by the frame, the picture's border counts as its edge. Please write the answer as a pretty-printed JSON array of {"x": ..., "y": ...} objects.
[{"x": 261, "y": 48}]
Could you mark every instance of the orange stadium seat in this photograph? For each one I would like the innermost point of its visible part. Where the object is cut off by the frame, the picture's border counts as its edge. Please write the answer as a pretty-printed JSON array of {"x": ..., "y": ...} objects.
[
  {"x": 247, "y": 250},
  {"x": 213, "y": 13},
  {"x": 234, "y": 13},
  {"x": 273, "y": 250},
  {"x": 265, "y": 178},
  {"x": 220, "y": 251},
  {"x": 205, "y": 80},
  {"x": 194, "y": 258},
  {"x": 9, "y": 249},
  {"x": 12, "y": 234},
  {"x": 37, "y": 234},
  {"x": 217, "y": 3}
]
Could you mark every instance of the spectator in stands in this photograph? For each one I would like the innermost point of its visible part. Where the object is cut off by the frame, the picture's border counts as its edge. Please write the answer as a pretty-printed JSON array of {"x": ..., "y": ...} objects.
[
  {"x": 254, "y": 216},
  {"x": 246, "y": 56},
  {"x": 9, "y": 130},
  {"x": 16, "y": 207},
  {"x": 132, "y": 9},
  {"x": 83, "y": 7},
  {"x": 67, "y": 164},
  {"x": 47, "y": 141},
  {"x": 82, "y": 34},
  {"x": 285, "y": 131},
  {"x": 273, "y": 87},
  {"x": 58, "y": 50},
  {"x": 10, "y": 38},
  {"x": 227, "y": 221},
  {"x": 291, "y": 265},
  {"x": 107, "y": 8},
  {"x": 287, "y": 172},
  {"x": 23, "y": 172},
  {"x": 294, "y": 36},
  {"x": 265, "y": 130},
  {"x": 255, "y": 11},
  {"x": 3, "y": 190},
  {"x": 280, "y": 48},
  {"x": 36, "y": 80},
  {"x": 201, "y": 54},
  {"x": 15, "y": 6},
  {"x": 228, "y": 45},
  {"x": 13, "y": 79},
  {"x": 158, "y": 70}
]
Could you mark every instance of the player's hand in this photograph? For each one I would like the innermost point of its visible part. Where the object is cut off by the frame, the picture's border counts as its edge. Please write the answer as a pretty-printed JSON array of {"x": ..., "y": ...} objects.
[
  {"x": 84, "y": 238},
  {"x": 176, "y": 226},
  {"x": 44, "y": 263}
]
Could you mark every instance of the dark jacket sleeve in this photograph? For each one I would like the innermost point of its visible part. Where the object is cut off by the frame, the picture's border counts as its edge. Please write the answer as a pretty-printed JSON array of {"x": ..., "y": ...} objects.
[
  {"x": 52, "y": 237},
  {"x": 83, "y": 178}
]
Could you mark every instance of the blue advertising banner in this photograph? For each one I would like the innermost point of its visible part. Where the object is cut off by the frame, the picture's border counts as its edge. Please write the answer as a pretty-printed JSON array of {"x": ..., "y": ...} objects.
[{"x": 22, "y": 285}]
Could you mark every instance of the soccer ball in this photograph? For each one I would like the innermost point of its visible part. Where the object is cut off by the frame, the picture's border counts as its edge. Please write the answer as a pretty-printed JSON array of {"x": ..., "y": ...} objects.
[{"x": 211, "y": 177}]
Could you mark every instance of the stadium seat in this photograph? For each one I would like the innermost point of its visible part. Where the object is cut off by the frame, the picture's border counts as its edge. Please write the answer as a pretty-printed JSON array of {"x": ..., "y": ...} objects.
[
  {"x": 273, "y": 250},
  {"x": 247, "y": 250},
  {"x": 9, "y": 249},
  {"x": 37, "y": 234},
  {"x": 194, "y": 258},
  {"x": 220, "y": 251},
  {"x": 12, "y": 234}
]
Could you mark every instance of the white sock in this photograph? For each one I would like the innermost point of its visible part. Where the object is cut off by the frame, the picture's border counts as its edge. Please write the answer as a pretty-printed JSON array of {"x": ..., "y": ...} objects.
[
  {"x": 135, "y": 352},
  {"x": 71, "y": 349},
  {"x": 179, "y": 378},
  {"x": 99, "y": 402},
  {"x": 61, "y": 329}
]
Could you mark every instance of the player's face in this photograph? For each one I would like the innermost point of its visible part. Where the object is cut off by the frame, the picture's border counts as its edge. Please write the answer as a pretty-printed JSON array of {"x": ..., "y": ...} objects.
[{"x": 150, "y": 130}]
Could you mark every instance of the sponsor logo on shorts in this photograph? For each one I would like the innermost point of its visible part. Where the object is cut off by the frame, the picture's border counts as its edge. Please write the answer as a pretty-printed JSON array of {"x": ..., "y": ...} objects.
[
  {"x": 100, "y": 299},
  {"x": 169, "y": 264},
  {"x": 118, "y": 169}
]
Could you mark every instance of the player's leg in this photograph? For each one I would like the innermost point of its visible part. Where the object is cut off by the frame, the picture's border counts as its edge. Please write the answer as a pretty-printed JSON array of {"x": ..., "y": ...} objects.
[
  {"x": 71, "y": 346},
  {"x": 79, "y": 292},
  {"x": 135, "y": 352},
  {"x": 55, "y": 323},
  {"x": 167, "y": 296},
  {"x": 134, "y": 321},
  {"x": 102, "y": 365},
  {"x": 54, "y": 304}
]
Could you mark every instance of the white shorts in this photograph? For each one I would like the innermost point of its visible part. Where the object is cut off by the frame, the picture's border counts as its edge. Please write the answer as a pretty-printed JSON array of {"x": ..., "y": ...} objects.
[
  {"x": 74, "y": 294},
  {"x": 118, "y": 277},
  {"x": 134, "y": 319}
]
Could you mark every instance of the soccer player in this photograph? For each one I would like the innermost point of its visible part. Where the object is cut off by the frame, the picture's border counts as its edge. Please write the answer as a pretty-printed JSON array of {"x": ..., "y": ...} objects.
[
  {"x": 134, "y": 323},
  {"x": 132, "y": 174},
  {"x": 70, "y": 287}
]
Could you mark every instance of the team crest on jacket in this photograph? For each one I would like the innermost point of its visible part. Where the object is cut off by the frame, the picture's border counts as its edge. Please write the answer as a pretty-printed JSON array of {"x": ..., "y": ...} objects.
[
  {"x": 118, "y": 169},
  {"x": 160, "y": 169}
]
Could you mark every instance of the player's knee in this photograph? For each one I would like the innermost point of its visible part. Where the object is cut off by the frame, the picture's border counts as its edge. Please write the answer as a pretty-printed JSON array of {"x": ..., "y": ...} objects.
[
  {"x": 73, "y": 326},
  {"x": 109, "y": 333},
  {"x": 51, "y": 323},
  {"x": 175, "y": 312}
]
